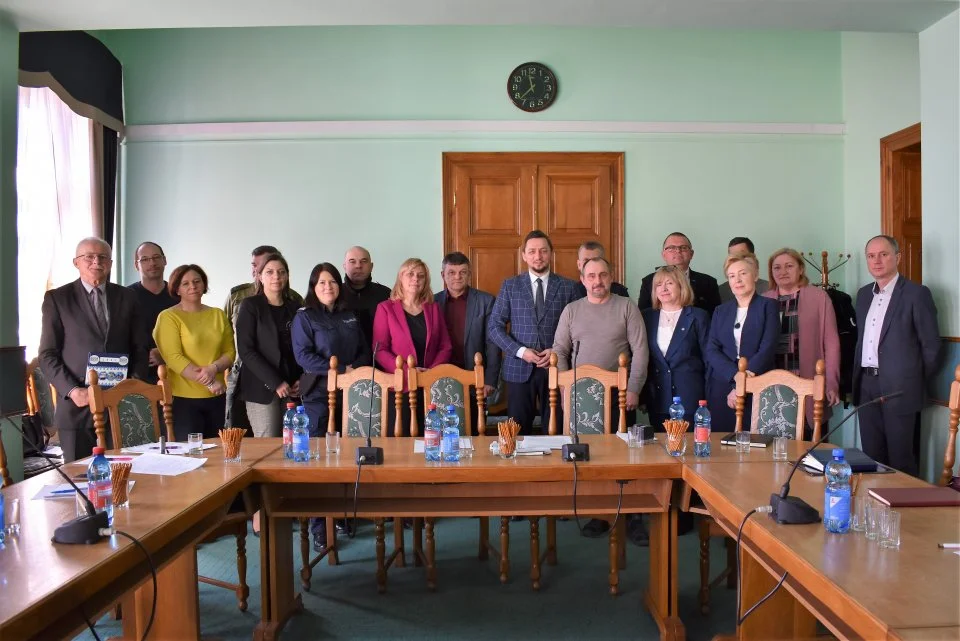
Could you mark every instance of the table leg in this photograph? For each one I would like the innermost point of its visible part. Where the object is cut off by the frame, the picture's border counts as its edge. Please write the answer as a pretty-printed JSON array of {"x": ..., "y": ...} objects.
[
  {"x": 614, "y": 553},
  {"x": 484, "y": 554},
  {"x": 277, "y": 601},
  {"x": 504, "y": 548},
  {"x": 178, "y": 603},
  {"x": 535, "y": 552},
  {"x": 431, "y": 552},
  {"x": 381, "y": 556},
  {"x": 661, "y": 596},
  {"x": 781, "y": 617}
]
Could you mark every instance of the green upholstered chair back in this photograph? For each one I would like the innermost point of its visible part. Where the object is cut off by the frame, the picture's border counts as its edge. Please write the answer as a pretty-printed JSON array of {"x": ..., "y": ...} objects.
[
  {"x": 776, "y": 411},
  {"x": 137, "y": 425},
  {"x": 588, "y": 394},
  {"x": 357, "y": 414},
  {"x": 449, "y": 391}
]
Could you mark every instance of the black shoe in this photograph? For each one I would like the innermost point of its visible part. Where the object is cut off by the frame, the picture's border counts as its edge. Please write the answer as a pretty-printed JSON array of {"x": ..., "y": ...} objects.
[
  {"x": 637, "y": 533},
  {"x": 343, "y": 527},
  {"x": 407, "y": 524},
  {"x": 595, "y": 528},
  {"x": 319, "y": 544}
]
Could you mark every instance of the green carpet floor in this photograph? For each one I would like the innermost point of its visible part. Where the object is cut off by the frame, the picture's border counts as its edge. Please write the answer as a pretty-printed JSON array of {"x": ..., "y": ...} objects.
[{"x": 470, "y": 602}]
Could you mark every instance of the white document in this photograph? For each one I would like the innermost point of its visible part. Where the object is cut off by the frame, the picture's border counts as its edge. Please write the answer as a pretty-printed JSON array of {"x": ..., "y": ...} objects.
[
  {"x": 66, "y": 491},
  {"x": 531, "y": 443},
  {"x": 172, "y": 448},
  {"x": 165, "y": 465},
  {"x": 466, "y": 443}
]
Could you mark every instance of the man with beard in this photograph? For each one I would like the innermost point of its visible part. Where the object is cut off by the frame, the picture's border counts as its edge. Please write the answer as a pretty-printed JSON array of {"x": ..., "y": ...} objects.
[{"x": 152, "y": 295}]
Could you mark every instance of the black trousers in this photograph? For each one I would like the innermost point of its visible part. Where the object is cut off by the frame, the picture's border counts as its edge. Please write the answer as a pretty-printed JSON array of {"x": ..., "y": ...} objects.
[
  {"x": 192, "y": 415},
  {"x": 523, "y": 399},
  {"x": 79, "y": 443},
  {"x": 888, "y": 438}
]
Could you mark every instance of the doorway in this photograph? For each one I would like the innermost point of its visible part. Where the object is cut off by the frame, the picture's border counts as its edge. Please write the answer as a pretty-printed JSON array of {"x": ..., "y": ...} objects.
[{"x": 900, "y": 197}]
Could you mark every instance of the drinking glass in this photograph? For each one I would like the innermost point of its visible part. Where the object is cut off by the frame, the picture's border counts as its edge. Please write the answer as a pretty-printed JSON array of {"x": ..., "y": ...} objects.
[
  {"x": 743, "y": 442},
  {"x": 875, "y": 516},
  {"x": 890, "y": 530},
  {"x": 780, "y": 448},
  {"x": 635, "y": 435},
  {"x": 13, "y": 518},
  {"x": 858, "y": 520},
  {"x": 333, "y": 443},
  {"x": 195, "y": 444}
]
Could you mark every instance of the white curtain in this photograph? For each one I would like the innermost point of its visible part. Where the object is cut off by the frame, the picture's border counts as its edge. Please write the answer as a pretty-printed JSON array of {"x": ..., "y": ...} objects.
[{"x": 54, "y": 200}]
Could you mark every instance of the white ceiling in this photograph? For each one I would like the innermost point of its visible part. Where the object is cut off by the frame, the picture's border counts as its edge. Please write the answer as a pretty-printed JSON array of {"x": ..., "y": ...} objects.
[{"x": 826, "y": 15}]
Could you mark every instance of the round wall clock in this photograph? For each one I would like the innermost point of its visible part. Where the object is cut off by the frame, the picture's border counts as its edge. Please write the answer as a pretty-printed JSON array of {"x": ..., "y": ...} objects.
[{"x": 532, "y": 86}]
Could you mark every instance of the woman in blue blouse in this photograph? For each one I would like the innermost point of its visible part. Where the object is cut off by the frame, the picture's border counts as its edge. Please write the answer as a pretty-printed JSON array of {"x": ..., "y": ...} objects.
[{"x": 748, "y": 326}]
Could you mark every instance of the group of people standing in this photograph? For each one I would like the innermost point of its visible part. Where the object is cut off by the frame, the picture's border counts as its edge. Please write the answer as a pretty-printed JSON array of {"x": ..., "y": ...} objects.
[{"x": 238, "y": 365}]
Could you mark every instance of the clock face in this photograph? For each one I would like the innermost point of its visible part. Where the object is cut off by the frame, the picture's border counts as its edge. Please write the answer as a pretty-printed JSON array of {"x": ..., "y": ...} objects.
[{"x": 532, "y": 86}]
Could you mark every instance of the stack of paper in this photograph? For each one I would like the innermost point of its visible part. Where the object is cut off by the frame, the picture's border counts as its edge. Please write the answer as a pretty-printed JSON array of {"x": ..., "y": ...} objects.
[
  {"x": 172, "y": 448},
  {"x": 165, "y": 465}
]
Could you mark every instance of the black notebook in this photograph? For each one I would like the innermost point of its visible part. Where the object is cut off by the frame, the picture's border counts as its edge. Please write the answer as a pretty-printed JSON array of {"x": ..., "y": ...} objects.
[
  {"x": 859, "y": 462},
  {"x": 756, "y": 440}
]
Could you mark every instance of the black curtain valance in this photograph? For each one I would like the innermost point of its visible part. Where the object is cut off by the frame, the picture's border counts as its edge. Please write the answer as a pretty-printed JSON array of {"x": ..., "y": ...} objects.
[{"x": 79, "y": 68}]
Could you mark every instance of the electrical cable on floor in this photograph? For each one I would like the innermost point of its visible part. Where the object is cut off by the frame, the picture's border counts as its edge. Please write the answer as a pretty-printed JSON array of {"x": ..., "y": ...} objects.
[{"x": 86, "y": 620}]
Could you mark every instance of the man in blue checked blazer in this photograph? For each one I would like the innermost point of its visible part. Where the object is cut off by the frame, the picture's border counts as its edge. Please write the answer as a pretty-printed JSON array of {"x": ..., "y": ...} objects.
[{"x": 531, "y": 303}]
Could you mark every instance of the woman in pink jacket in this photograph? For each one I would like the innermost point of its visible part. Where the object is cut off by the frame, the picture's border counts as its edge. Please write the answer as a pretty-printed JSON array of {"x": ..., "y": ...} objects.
[{"x": 808, "y": 325}]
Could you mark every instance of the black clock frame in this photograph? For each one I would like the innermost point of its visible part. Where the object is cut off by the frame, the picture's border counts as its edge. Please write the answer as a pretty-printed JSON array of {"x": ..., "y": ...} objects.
[{"x": 539, "y": 101}]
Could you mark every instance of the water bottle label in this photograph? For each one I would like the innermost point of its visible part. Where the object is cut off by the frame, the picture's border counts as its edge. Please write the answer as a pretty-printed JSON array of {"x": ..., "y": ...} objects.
[
  {"x": 701, "y": 434},
  {"x": 301, "y": 443},
  {"x": 431, "y": 439},
  {"x": 838, "y": 507},
  {"x": 450, "y": 444},
  {"x": 100, "y": 493},
  {"x": 287, "y": 436}
]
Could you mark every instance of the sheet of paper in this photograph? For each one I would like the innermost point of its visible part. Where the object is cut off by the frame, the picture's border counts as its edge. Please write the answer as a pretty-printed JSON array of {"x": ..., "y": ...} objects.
[
  {"x": 466, "y": 443},
  {"x": 165, "y": 465},
  {"x": 66, "y": 491},
  {"x": 172, "y": 448},
  {"x": 543, "y": 442}
]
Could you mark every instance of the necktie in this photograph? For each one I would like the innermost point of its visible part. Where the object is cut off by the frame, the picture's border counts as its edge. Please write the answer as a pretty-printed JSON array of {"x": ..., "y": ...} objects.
[
  {"x": 538, "y": 301},
  {"x": 99, "y": 311}
]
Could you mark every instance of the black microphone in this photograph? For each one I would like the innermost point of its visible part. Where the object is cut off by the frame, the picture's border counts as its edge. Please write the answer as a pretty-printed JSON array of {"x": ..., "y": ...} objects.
[
  {"x": 575, "y": 451},
  {"x": 83, "y": 529},
  {"x": 791, "y": 510},
  {"x": 370, "y": 455}
]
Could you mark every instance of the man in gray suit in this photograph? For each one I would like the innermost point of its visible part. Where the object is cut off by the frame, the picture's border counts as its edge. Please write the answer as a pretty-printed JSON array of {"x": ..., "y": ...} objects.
[
  {"x": 897, "y": 346},
  {"x": 466, "y": 311},
  {"x": 89, "y": 315}
]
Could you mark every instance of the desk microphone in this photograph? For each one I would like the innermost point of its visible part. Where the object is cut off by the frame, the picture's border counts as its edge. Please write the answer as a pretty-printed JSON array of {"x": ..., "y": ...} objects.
[
  {"x": 370, "y": 455},
  {"x": 792, "y": 510},
  {"x": 83, "y": 529},
  {"x": 575, "y": 451}
]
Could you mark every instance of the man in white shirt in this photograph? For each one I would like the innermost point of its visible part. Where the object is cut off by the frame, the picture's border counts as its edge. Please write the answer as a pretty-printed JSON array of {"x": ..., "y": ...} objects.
[{"x": 898, "y": 342}]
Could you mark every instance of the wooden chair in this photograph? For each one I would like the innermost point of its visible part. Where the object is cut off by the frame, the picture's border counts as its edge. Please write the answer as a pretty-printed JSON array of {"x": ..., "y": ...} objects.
[
  {"x": 135, "y": 420},
  {"x": 448, "y": 385},
  {"x": 41, "y": 396},
  {"x": 5, "y": 479},
  {"x": 779, "y": 408},
  {"x": 950, "y": 454},
  {"x": 593, "y": 389},
  {"x": 355, "y": 389}
]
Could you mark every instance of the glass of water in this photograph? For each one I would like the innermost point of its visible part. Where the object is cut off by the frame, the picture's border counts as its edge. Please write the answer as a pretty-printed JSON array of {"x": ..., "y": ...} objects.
[
  {"x": 890, "y": 530},
  {"x": 743, "y": 442},
  {"x": 333, "y": 443},
  {"x": 195, "y": 444},
  {"x": 875, "y": 515},
  {"x": 780, "y": 448},
  {"x": 858, "y": 521}
]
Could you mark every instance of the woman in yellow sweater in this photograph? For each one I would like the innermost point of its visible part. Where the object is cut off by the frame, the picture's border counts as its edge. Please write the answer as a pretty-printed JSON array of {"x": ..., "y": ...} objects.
[{"x": 196, "y": 343}]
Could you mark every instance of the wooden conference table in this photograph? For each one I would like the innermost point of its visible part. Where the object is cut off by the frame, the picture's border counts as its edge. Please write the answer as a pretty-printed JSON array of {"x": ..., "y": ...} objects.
[
  {"x": 854, "y": 587},
  {"x": 484, "y": 485}
]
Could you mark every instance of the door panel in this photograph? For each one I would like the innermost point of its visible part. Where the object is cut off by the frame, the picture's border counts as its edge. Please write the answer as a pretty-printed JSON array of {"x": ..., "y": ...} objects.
[{"x": 911, "y": 223}]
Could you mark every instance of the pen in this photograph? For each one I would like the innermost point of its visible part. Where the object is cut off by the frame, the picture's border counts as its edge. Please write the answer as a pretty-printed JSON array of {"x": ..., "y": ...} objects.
[
  {"x": 949, "y": 546},
  {"x": 71, "y": 491},
  {"x": 119, "y": 458}
]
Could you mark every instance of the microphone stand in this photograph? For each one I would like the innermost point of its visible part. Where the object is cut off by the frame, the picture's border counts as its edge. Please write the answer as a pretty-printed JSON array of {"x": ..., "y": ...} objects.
[
  {"x": 792, "y": 510},
  {"x": 575, "y": 451},
  {"x": 370, "y": 455},
  {"x": 83, "y": 529}
]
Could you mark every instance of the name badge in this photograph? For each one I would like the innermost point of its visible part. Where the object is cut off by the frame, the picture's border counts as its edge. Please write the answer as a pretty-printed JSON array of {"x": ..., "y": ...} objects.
[{"x": 110, "y": 368}]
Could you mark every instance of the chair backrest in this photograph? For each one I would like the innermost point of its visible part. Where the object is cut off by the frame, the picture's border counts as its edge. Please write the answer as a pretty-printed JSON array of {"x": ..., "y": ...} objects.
[
  {"x": 5, "y": 479},
  {"x": 132, "y": 408},
  {"x": 949, "y": 456},
  {"x": 450, "y": 385},
  {"x": 779, "y": 400},
  {"x": 41, "y": 395},
  {"x": 594, "y": 394},
  {"x": 366, "y": 404}
]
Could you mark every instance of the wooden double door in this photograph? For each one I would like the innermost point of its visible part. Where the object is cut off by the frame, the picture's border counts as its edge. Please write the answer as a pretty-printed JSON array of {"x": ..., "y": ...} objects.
[{"x": 493, "y": 200}]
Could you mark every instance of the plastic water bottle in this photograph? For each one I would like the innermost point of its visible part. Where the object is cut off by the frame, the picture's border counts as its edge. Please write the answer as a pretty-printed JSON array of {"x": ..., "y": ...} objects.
[
  {"x": 701, "y": 431},
  {"x": 836, "y": 496},
  {"x": 432, "y": 433},
  {"x": 450, "y": 445},
  {"x": 99, "y": 484},
  {"x": 676, "y": 410},
  {"x": 288, "y": 430},
  {"x": 301, "y": 436}
]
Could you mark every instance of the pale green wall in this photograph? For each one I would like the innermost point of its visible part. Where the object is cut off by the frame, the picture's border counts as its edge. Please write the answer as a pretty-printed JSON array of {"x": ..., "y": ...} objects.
[{"x": 940, "y": 109}]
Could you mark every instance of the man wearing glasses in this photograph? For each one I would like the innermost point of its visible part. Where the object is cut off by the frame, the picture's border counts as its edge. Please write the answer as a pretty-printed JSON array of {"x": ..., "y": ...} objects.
[
  {"x": 678, "y": 251},
  {"x": 89, "y": 315},
  {"x": 152, "y": 294}
]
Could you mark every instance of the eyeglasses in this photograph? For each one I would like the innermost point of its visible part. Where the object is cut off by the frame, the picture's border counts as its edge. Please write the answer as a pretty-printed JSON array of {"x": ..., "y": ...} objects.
[
  {"x": 151, "y": 259},
  {"x": 674, "y": 249},
  {"x": 90, "y": 258}
]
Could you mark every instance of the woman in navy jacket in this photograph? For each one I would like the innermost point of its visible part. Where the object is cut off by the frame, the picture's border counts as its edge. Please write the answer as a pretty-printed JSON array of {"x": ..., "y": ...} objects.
[
  {"x": 747, "y": 326},
  {"x": 677, "y": 338},
  {"x": 323, "y": 328}
]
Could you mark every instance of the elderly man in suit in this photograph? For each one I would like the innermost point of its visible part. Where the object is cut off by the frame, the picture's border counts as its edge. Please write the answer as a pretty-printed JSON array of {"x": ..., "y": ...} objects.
[
  {"x": 466, "y": 311},
  {"x": 897, "y": 346},
  {"x": 678, "y": 251},
  {"x": 531, "y": 303},
  {"x": 87, "y": 315}
]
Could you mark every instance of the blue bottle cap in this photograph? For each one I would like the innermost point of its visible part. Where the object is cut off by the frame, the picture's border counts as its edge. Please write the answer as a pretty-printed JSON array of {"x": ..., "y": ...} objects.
[
  {"x": 300, "y": 409},
  {"x": 838, "y": 453},
  {"x": 676, "y": 399},
  {"x": 451, "y": 409}
]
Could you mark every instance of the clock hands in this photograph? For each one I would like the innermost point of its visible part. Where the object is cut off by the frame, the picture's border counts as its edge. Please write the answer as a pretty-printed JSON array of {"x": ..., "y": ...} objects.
[{"x": 533, "y": 87}]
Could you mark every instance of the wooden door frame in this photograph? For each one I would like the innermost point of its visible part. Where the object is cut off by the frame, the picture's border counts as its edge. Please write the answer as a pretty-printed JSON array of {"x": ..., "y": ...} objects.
[
  {"x": 889, "y": 147},
  {"x": 614, "y": 159}
]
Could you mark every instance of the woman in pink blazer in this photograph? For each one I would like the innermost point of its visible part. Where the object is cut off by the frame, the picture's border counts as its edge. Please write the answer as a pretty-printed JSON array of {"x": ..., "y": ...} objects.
[
  {"x": 808, "y": 325},
  {"x": 410, "y": 323}
]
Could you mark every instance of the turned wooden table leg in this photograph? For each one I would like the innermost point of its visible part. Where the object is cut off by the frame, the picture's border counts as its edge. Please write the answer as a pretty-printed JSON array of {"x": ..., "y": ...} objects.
[
  {"x": 535, "y": 552},
  {"x": 431, "y": 560},
  {"x": 614, "y": 553},
  {"x": 381, "y": 557},
  {"x": 504, "y": 548},
  {"x": 306, "y": 572}
]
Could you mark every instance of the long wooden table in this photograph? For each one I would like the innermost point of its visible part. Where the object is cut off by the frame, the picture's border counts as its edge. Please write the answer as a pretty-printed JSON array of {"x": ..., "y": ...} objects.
[
  {"x": 46, "y": 589},
  {"x": 484, "y": 485},
  {"x": 855, "y": 588}
]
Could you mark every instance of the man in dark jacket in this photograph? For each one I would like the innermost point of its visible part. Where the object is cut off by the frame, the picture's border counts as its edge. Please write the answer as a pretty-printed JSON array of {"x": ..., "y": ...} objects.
[
  {"x": 362, "y": 294},
  {"x": 678, "y": 251},
  {"x": 87, "y": 316},
  {"x": 588, "y": 251}
]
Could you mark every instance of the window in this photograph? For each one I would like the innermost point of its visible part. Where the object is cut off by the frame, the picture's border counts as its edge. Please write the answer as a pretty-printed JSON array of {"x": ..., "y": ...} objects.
[{"x": 55, "y": 206}]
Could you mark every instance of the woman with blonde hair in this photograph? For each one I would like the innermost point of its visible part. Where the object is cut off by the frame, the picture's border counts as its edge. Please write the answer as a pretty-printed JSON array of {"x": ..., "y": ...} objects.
[
  {"x": 677, "y": 338},
  {"x": 746, "y": 326},
  {"x": 808, "y": 324}
]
